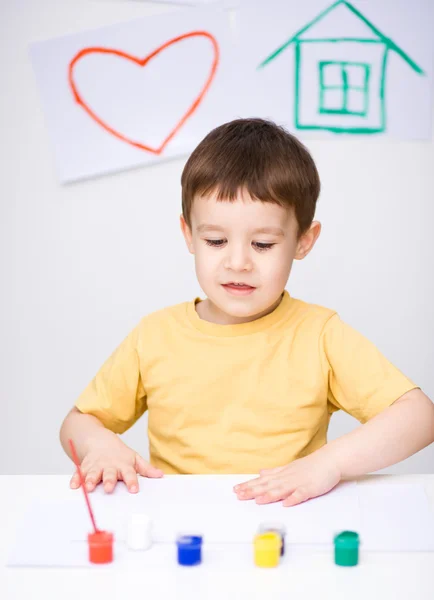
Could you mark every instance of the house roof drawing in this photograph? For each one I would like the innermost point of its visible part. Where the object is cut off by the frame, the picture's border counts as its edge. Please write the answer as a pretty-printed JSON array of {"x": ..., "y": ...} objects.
[{"x": 351, "y": 25}]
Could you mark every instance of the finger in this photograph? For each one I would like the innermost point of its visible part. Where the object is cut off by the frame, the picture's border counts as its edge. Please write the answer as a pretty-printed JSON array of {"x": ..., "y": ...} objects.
[
  {"x": 297, "y": 497},
  {"x": 129, "y": 475},
  {"x": 92, "y": 478},
  {"x": 75, "y": 481},
  {"x": 144, "y": 468},
  {"x": 109, "y": 479},
  {"x": 242, "y": 486},
  {"x": 250, "y": 493},
  {"x": 258, "y": 486},
  {"x": 248, "y": 484},
  {"x": 274, "y": 495},
  {"x": 263, "y": 478}
]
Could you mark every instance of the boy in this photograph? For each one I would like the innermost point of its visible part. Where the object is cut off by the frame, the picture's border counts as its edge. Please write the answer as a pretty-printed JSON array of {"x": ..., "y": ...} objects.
[{"x": 247, "y": 379}]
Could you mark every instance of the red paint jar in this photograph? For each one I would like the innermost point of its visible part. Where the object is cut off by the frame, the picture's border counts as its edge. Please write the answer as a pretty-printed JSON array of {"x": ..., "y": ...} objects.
[{"x": 100, "y": 547}]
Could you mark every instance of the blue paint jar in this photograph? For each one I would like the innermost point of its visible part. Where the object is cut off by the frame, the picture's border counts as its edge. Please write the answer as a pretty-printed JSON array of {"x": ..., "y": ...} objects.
[{"x": 189, "y": 550}]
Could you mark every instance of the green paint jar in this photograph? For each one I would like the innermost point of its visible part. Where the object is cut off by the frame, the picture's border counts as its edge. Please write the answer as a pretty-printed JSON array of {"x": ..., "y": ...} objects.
[{"x": 347, "y": 549}]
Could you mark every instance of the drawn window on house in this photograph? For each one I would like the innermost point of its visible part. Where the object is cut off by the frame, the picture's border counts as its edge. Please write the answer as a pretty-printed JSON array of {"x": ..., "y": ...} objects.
[{"x": 344, "y": 88}]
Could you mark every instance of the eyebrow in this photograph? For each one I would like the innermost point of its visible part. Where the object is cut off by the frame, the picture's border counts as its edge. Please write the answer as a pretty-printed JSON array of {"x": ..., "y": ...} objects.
[{"x": 272, "y": 230}]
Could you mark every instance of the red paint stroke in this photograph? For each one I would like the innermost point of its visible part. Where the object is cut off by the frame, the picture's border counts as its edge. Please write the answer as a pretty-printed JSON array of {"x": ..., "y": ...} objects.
[{"x": 142, "y": 62}]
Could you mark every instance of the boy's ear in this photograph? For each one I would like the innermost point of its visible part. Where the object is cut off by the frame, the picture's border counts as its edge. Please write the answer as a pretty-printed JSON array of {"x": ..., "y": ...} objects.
[
  {"x": 307, "y": 240},
  {"x": 186, "y": 232}
]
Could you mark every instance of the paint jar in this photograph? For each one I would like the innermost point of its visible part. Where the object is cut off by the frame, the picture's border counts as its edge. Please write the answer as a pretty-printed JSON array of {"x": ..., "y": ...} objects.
[
  {"x": 267, "y": 548},
  {"x": 189, "y": 550},
  {"x": 347, "y": 549},
  {"x": 100, "y": 547},
  {"x": 276, "y": 528},
  {"x": 139, "y": 532}
]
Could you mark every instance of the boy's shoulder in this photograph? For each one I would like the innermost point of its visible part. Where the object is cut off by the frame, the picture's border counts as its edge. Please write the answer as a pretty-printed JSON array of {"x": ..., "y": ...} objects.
[
  {"x": 168, "y": 314},
  {"x": 307, "y": 311}
]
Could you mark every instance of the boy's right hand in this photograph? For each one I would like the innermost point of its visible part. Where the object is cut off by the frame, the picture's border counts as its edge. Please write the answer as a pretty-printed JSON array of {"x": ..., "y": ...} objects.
[{"x": 109, "y": 460}]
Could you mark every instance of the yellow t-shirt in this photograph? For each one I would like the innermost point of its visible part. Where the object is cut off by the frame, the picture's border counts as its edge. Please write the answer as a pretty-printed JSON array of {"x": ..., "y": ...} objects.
[{"x": 239, "y": 398}]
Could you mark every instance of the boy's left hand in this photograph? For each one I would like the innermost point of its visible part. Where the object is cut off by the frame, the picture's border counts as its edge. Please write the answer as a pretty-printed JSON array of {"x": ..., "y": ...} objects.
[{"x": 297, "y": 482}]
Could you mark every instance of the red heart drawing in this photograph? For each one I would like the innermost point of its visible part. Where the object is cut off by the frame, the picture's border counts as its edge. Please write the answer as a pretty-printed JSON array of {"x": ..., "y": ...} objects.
[{"x": 143, "y": 62}]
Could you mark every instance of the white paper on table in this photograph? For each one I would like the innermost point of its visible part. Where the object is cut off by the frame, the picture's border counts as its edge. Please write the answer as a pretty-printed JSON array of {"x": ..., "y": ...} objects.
[
  {"x": 390, "y": 517},
  {"x": 396, "y": 517},
  {"x": 203, "y": 504},
  {"x": 55, "y": 531}
]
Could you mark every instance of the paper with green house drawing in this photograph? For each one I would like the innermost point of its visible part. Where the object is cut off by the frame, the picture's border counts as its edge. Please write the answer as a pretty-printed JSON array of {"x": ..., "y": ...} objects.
[{"x": 340, "y": 68}]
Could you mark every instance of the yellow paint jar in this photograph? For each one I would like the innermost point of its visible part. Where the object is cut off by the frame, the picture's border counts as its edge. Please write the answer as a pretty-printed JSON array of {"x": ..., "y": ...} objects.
[{"x": 267, "y": 549}]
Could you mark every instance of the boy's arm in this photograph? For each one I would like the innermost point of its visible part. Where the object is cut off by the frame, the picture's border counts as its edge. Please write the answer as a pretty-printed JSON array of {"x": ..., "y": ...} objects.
[
  {"x": 393, "y": 435},
  {"x": 399, "y": 431},
  {"x": 83, "y": 430},
  {"x": 109, "y": 405},
  {"x": 397, "y": 417},
  {"x": 102, "y": 454}
]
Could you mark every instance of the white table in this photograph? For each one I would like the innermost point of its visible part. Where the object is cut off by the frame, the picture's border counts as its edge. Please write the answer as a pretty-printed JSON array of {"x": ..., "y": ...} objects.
[{"x": 308, "y": 574}]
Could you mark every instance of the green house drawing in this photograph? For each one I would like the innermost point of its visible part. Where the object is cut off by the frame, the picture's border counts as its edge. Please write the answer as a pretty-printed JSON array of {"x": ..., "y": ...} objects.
[{"x": 341, "y": 63}]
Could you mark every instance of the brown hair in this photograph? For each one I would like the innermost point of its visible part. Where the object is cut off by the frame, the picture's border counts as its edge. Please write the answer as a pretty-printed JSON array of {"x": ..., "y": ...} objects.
[{"x": 259, "y": 157}]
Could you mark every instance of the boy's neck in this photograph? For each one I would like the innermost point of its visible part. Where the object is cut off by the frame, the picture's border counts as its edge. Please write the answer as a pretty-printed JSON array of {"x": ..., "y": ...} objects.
[{"x": 208, "y": 311}]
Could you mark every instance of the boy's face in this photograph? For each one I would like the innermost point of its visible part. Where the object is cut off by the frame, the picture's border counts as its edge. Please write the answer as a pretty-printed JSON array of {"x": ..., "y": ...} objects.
[{"x": 243, "y": 253}]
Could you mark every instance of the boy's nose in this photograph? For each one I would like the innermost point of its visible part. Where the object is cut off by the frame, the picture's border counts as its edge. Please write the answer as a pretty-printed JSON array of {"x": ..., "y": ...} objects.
[{"x": 238, "y": 260}]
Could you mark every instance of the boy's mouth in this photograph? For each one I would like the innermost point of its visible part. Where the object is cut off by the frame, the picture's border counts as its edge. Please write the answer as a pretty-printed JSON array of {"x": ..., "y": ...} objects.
[{"x": 238, "y": 289}]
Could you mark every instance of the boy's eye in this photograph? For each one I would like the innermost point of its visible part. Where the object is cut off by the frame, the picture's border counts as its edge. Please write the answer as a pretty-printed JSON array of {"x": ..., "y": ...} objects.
[
  {"x": 263, "y": 246},
  {"x": 215, "y": 243}
]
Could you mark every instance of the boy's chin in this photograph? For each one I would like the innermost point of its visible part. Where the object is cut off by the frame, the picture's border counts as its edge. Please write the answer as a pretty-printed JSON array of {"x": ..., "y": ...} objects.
[
  {"x": 241, "y": 308},
  {"x": 238, "y": 312}
]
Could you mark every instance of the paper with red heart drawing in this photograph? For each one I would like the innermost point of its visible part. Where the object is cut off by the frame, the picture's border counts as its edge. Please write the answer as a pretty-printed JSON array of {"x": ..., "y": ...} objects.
[{"x": 135, "y": 93}]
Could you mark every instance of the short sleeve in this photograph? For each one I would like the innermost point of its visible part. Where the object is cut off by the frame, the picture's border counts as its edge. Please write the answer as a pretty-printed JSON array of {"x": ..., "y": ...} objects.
[
  {"x": 361, "y": 381},
  {"x": 116, "y": 395}
]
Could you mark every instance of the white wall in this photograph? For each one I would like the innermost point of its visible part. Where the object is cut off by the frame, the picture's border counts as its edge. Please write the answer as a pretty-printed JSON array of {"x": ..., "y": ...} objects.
[{"x": 82, "y": 263}]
